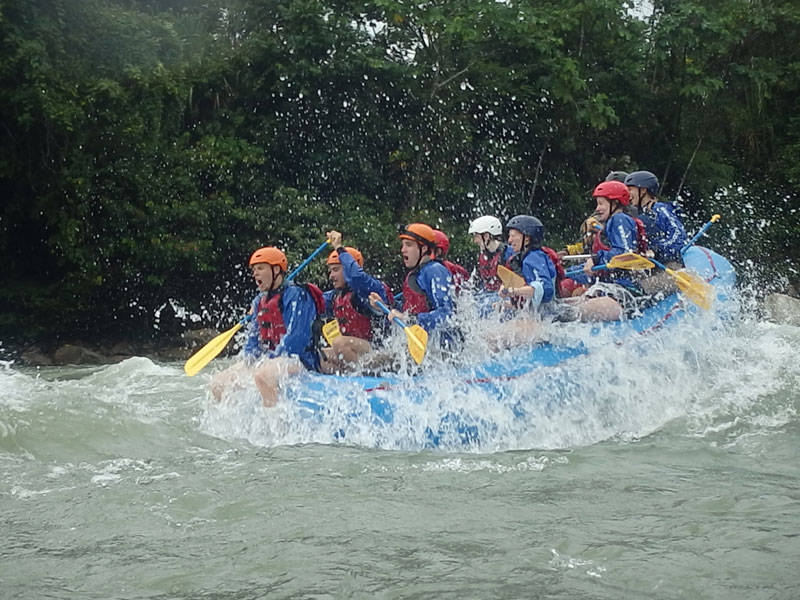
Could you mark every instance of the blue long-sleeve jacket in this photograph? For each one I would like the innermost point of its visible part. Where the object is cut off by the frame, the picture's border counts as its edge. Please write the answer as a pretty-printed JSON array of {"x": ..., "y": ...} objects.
[
  {"x": 665, "y": 232},
  {"x": 539, "y": 272},
  {"x": 358, "y": 280},
  {"x": 298, "y": 311},
  {"x": 435, "y": 280},
  {"x": 620, "y": 232}
]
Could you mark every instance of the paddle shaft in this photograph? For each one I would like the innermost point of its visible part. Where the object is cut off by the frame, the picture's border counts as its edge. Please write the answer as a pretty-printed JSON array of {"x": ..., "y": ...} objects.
[
  {"x": 579, "y": 270},
  {"x": 700, "y": 233},
  {"x": 303, "y": 264},
  {"x": 385, "y": 309}
]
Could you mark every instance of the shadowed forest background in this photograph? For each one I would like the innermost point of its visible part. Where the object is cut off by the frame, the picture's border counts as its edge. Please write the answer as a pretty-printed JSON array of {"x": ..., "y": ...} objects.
[{"x": 148, "y": 147}]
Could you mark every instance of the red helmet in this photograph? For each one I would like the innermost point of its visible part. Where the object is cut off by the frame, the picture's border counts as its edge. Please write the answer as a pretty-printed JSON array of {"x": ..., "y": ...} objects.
[
  {"x": 442, "y": 241},
  {"x": 333, "y": 257},
  {"x": 613, "y": 190},
  {"x": 271, "y": 256}
]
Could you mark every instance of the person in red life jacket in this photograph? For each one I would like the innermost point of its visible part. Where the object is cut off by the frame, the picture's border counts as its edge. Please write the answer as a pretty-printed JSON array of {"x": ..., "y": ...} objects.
[
  {"x": 459, "y": 273},
  {"x": 428, "y": 287},
  {"x": 617, "y": 293},
  {"x": 279, "y": 335},
  {"x": 591, "y": 225},
  {"x": 487, "y": 232},
  {"x": 348, "y": 302}
]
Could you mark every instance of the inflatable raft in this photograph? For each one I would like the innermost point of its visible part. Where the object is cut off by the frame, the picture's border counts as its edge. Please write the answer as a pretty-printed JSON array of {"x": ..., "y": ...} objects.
[{"x": 463, "y": 406}]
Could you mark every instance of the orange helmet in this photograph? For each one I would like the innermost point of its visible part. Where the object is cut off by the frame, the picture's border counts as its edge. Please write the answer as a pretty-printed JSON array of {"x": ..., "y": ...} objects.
[
  {"x": 333, "y": 257},
  {"x": 419, "y": 233},
  {"x": 271, "y": 256}
]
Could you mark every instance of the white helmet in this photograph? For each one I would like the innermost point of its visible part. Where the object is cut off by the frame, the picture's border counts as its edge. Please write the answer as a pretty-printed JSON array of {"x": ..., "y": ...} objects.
[{"x": 486, "y": 224}]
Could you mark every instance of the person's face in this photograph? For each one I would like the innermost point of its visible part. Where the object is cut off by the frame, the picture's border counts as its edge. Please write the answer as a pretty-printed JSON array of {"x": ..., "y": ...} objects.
[
  {"x": 603, "y": 210},
  {"x": 477, "y": 239},
  {"x": 263, "y": 276},
  {"x": 515, "y": 239},
  {"x": 636, "y": 195},
  {"x": 411, "y": 252},
  {"x": 336, "y": 275}
]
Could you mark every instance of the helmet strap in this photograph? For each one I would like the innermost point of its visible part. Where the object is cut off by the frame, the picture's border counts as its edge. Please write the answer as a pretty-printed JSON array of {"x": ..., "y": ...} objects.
[{"x": 275, "y": 276}]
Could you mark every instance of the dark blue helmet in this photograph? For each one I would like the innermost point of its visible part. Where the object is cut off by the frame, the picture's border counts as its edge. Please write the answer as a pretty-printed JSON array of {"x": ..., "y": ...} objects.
[
  {"x": 530, "y": 226},
  {"x": 643, "y": 179}
]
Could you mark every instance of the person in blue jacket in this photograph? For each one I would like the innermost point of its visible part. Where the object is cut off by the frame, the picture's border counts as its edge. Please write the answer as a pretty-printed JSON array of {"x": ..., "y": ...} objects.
[
  {"x": 428, "y": 287},
  {"x": 665, "y": 232},
  {"x": 525, "y": 237},
  {"x": 537, "y": 285},
  {"x": 348, "y": 302},
  {"x": 280, "y": 341},
  {"x": 612, "y": 292}
]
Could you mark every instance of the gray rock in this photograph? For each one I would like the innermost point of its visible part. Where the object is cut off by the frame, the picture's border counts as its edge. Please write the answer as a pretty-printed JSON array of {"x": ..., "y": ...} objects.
[
  {"x": 34, "y": 356},
  {"x": 784, "y": 309},
  {"x": 174, "y": 354},
  {"x": 69, "y": 354},
  {"x": 197, "y": 338}
]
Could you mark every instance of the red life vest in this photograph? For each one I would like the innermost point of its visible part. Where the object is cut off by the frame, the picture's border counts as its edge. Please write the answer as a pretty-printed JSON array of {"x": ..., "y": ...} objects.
[
  {"x": 271, "y": 327},
  {"x": 270, "y": 317},
  {"x": 351, "y": 321},
  {"x": 487, "y": 269},
  {"x": 415, "y": 300},
  {"x": 458, "y": 272},
  {"x": 641, "y": 236},
  {"x": 561, "y": 274}
]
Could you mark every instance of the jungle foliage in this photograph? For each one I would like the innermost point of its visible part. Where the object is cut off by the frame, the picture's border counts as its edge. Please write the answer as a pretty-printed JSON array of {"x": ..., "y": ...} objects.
[{"x": 148, "y": 146}]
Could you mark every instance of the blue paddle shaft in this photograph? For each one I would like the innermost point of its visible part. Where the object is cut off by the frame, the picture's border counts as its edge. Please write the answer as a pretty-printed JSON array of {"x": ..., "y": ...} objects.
[
  {"x": 304, "y": 264},
  {"x": 699, "y": 234},
  {"x": 579, "y": 270},
  {"x": 385, "y": 309}
]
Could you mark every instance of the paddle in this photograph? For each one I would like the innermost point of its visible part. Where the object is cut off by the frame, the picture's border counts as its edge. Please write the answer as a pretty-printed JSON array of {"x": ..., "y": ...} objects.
[
  {"x": 629, "y": 260},
  {"x": 509, "y": 278},
  {"x": 697, "y": 235},
  {"x": 417, "y": 336},
  {"x": 207, "y": 353},
  {"x": 330, "y": 331},
  {"x": 697, "y": 290}
]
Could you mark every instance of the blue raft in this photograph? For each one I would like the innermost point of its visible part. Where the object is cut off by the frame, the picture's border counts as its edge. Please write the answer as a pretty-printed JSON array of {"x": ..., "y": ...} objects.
[{"x": 347, "y": 405}]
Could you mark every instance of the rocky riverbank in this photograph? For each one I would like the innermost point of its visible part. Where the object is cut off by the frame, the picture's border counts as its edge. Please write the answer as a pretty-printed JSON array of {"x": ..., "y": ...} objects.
[
  {"x": 81, "y": 353},
  {"x": 778, "y": 308}
]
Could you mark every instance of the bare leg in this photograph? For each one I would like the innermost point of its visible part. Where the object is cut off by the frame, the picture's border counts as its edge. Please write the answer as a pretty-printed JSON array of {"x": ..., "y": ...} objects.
[
  {"x": 269, "y": 375},
  {"x": 522, "y": 330},
  {"x": 603, "y": 308},
  {"x": 345, "y": 351},
  {"x": 228, "y": 380}
]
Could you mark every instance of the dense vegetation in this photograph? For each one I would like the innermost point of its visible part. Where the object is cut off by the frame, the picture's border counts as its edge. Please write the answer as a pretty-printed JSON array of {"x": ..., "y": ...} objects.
[{"x": 148, "y": 146}]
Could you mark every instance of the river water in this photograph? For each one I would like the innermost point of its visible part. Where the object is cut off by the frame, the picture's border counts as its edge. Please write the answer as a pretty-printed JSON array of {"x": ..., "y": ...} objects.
[{"x": 678, "y": 478}]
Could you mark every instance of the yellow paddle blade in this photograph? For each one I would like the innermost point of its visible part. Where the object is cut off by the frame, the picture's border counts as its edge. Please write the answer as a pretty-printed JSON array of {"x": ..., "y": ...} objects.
[
  {"x": 509, "y": 278},
  {"x": 630, "y": 261},
  {"x": 330, "y": 331},
  {"x": 417, "y": 342},
  {"x": 696, "y": 289},
  {"x": 207, "y": 353}
]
